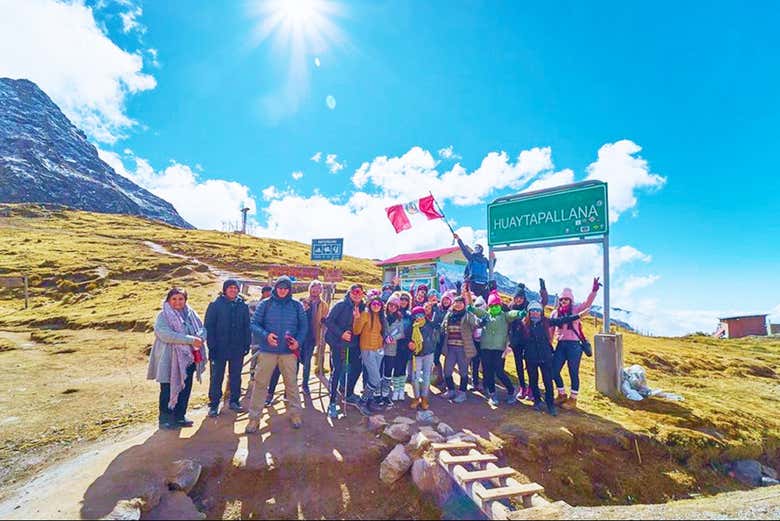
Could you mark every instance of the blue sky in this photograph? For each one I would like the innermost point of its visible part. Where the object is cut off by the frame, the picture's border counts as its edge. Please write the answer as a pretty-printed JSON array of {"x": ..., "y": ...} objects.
[{"x": 216, "y": 114}]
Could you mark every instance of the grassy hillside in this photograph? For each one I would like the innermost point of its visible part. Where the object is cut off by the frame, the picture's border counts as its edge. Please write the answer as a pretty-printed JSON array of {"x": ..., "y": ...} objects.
[{"x": 75, "y": 362}]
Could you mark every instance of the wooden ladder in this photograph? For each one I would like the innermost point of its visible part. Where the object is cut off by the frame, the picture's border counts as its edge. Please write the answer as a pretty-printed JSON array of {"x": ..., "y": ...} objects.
[{"x": 487, "y": 484}]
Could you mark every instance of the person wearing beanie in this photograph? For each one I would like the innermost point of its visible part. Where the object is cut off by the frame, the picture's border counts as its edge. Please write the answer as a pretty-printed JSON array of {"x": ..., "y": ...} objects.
[
  {"x": 568, "y": 351},
  {"x": 516, "y": 337},
  {"x": 477, "y": 272},
  {"x": 421, "y": 295},
  {"x": 228, "y": 335},
  {"x": 538, "y": 351},
  {"x": 316, "y": 311},
  {"x": 369, "y": 324},
  {"x": 494, "y": 345},
  {"x": 423, "y": 346},
  {"x": 394, "y": 332},
  {"x": 458, "y": 347},
  {"x": 344, "y": 347},
  {"x": 281, "y": 326},
  {"x": 440, "y": 311},
  {"x": 265, "y": 292},
  {"x": 403, "y": 355}
]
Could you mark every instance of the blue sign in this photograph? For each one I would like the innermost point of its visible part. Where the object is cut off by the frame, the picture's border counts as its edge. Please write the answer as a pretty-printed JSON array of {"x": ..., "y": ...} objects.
[{"x": 327, "y": 249}]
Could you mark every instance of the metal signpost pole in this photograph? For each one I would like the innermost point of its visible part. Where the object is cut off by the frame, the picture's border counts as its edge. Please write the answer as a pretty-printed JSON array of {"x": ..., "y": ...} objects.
[{"x": 605, "y": 245}]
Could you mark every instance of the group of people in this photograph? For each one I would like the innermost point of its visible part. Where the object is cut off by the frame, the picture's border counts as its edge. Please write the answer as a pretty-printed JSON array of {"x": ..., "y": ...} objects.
[{"x": 389, "y": 337}]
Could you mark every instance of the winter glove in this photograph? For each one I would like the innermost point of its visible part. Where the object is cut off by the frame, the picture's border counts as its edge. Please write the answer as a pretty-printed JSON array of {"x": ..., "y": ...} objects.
[{"x": 542, "y": 287}]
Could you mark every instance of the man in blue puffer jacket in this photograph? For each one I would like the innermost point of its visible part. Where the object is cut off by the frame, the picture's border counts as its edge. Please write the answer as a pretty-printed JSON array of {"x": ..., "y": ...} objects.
[
  {"x": 280, "y": 325},
  {"x": 477, "y": 272}
]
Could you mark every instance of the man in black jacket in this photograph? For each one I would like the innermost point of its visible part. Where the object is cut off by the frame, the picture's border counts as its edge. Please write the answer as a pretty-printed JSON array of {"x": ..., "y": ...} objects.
[
  {"x": 228, "y": 334},
  {"x": 342, "y": 344}
]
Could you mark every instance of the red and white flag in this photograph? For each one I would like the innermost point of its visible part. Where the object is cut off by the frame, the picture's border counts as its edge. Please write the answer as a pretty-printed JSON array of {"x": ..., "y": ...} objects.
[{"x": 398, "y": 213}]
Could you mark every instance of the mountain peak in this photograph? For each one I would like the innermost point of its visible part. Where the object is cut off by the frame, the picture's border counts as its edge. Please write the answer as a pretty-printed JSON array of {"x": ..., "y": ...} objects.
[{"x": 44, "y": 158}]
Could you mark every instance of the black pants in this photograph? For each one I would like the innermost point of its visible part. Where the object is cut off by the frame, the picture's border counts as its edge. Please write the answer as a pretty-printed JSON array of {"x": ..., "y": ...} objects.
[
  {"x": 388, "y": 366},
  {"x": 480, "y": 289},
  {"x": 519, "y": 353},
  {"x": 493, "y": 365},
  {"x": 337, "y": 354},
  {"x": 402, "y": 357},
  {"x": 176, "y": 414},
  {"x": 546, "y": 368},
  {"x": 234, "y": 366},
  {"x": 475, "y": 362}
]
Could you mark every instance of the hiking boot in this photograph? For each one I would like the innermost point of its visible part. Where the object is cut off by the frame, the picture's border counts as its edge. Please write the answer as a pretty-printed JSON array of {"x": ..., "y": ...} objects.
[
  {"x": 363, "y": 408},
  {"x": 562, "y": 397},
  {"x": 184, "y": 422},
  {"x": 528, "y": 394},
  {"x": 253, "y": 426},
  {"x": 449, "y": 395},
  {"x": 167, "y": 426},
  {"x": 236, "y": 408},
  {"x": 333, "y": 410},
  {"x": 296, "y": 422},
  {"x": 493, "y": 401},
  {"x": 552, "y": 411},
  {"x": 570, "y": 404},
  {"x": 415, "y": 403},
  {"x": 424, "y": 403},
  {"x": 460, "y": 397},
  {"x": 213, "y": 411},
  {"x": 538, "y": 406},
  {"x": 352, "y": 399}
]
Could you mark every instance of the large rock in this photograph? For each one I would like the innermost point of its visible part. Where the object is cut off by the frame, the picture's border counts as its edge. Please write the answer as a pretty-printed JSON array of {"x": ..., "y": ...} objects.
[
  {"x": 376, "y": 423},
  {"x": 747, "y": 471},
  {"x": 403, "y": 419},
  {"x": 769, "y": 472},
  {"x": 445, "y": 430},
  {"x": 399, "y": 432},
  {"x": 183, "y": 475},
  {"x": 427, "y": 418},
  {"x": 431, "y": 478},
  {"x": 395, "y": 465},
  {"x": 176, "y": 505},
  {"x": 126, "y": 509},
  {"x": 423, "y": 439},
  {"x": 462, "y": 436},
  {"x": 432, "y": 435}
]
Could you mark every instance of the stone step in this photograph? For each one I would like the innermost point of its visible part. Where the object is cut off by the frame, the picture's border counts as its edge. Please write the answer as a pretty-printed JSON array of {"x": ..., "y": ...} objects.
[
  {"x": 448, "y": 459},
  {"x": 466, "y": 477},
  {"x": 494, "y": 494},
  {"x": 453, "y": 445}
]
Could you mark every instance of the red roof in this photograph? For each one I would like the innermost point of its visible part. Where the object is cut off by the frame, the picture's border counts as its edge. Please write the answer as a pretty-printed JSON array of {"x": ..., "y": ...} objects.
[{"x": 418, "y": 256}]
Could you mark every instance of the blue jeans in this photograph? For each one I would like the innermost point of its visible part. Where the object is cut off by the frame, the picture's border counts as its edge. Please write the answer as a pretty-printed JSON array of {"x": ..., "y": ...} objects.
[
  {"x": 421, "y": 382},
  {"x": 567, "y": 353}
]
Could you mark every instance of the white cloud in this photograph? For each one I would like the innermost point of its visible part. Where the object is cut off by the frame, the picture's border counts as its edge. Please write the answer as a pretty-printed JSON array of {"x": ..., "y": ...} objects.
[
  {"x": 130, "y": 20},
  {"x": 206, "y": 203},
  {"x": 60, "y": 47},
  {"x": 624, "y": 292},
  {"x": 414, "y": 173},
  {"x": 316, "y": 157},
  {"x": 625, "y": 173},
  {"x": 448, "y": 153},
  {"x": 564, "y": 177},
  {"x": 297, "y": 175},
  {"x": 333, "y": 165},
  {"x": 153, "y": 54}
]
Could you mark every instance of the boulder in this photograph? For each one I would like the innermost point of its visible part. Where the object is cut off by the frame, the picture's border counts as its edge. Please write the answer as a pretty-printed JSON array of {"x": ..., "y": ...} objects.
[
  {"x": 403, "y": 419},
  {"x": 747, "y": 471},
  {"x": 176, "y": 505},
  {"x": 427, "y": 418},
  {"x": 183, "y": 475},
  {"x": 399, "y": 432},
  {"x": 431, "y": 478},
  {"x": 769, "y": 472},
  {"x": 395, "y": 465},
  {"x": 432, "y": 435},
  {"x": 445, "y": 430},
  {"x": 127, "y": 509},
  {"x": 462, "y": 436},
  {"x": 376, "y": 423}
]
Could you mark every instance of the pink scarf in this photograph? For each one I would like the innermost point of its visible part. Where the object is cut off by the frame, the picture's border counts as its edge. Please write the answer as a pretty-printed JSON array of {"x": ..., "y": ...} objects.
[{"x": 181, "y": 354}]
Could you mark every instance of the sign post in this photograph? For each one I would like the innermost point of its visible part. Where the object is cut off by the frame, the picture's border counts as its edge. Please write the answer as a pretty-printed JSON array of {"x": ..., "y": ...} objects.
[
  {"x": 327, "y": 249},
  {"x": 568, "y": 215}
]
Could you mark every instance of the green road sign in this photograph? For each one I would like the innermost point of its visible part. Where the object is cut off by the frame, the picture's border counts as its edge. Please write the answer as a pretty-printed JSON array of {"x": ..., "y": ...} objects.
[{"x": 580, "y": 211}]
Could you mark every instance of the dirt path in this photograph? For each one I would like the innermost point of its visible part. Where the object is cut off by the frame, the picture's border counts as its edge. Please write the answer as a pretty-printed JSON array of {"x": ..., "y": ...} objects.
[{"x": 220, "y": 273}]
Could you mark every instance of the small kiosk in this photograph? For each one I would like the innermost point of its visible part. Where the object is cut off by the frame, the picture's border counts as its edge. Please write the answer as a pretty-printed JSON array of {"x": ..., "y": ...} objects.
[{"x": 426, "y": 267}]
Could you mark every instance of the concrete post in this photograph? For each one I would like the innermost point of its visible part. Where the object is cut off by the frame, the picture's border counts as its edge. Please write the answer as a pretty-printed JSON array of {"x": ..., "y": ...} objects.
[{"x": 609, "y": 363}]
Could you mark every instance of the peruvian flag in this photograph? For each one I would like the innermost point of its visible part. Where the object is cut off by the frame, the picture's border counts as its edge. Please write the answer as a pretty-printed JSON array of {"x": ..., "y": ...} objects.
[{"x": 398, "y": 213}]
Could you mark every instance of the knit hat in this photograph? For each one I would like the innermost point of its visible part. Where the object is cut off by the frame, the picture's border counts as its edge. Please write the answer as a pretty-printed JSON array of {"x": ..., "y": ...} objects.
[
  {"x": 520, "y": 292},
  {"x": 266, "y": 288},
  {"x": 373, "y": 294},
  {"x": 478, "y": 248},
  {"x": 313, "y": 283},
  {"x": 459, "y": 298},
  {"x": 283, "y": 281},
  {"x": 567, "y": 293},
  {"x": 394, "y": 300},
  {"x": 418, "y": 310},
  {"x": 433, "y": 293},
  {"x": 449, "y": 294},
  {"x": 406, "y": 295},
  {"x": 534, "y": 306},
  {"x": 353, "y": 287},
  {"x": 422, "y": 287},
  {"x": 494, "y": 299},
  {"x": 228, "y": 283}
]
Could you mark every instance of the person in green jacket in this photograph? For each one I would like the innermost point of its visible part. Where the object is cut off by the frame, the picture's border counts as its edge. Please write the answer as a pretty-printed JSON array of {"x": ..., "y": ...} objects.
[{"x": 495, "y": 336}]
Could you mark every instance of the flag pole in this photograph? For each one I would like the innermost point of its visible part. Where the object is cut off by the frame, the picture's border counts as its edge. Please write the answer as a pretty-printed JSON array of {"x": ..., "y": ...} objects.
[{"x": 444, "y": 217}]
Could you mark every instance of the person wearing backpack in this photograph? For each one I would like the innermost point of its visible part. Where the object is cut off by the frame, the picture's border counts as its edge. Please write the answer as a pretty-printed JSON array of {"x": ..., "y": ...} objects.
[
  {"x": 477, "y": 272},
  {"x": 516, "y": 339},
  {"x": 538, "y": 352},
  {"x": 569, "y": 349}
]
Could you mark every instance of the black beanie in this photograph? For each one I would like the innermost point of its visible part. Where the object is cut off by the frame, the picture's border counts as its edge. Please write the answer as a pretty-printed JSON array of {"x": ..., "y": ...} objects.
[{"x": 228, "y": 283}]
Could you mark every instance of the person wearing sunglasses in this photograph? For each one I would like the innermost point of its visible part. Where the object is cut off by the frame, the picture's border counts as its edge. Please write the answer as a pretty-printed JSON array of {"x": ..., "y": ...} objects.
[
  {"x": 370, "y": 325},
  {"x": 343, "y": 343}
]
